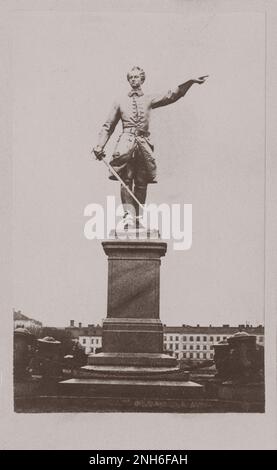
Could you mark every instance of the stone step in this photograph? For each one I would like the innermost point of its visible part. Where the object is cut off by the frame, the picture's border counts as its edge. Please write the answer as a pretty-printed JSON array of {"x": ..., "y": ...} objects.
[
  {"x": 132, "y": 359},
  {"x": 114, "y": 372},
  {"x": 131, "y": 388}
]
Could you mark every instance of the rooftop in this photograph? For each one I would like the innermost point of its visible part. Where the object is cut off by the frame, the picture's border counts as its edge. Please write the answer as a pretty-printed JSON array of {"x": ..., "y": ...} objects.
[
  {"x": 17, "y": 315},
  {"x": 96, "y": 330}
]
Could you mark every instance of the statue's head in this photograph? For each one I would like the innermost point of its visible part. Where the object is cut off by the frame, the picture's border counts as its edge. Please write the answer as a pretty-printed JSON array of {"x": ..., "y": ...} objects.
[{"x": 136, "y": 77}]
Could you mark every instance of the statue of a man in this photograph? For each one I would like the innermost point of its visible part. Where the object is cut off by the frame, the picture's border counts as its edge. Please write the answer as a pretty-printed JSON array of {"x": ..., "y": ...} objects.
[{"x": 133, "y": 158}]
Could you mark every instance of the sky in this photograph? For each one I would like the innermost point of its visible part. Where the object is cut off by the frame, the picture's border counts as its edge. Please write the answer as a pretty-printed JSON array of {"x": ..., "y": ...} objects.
[{"x": 68, "y": 68}]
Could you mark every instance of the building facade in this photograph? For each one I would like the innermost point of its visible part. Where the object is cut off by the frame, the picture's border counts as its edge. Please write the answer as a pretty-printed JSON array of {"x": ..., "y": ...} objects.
[
  {"x": 91, "y": 343},
  {"x": 183, "y": 342},
  {"x": 196, "y": 342},
  {"x": 22, "y": 321},
  {"x": 90, "y": 337}
]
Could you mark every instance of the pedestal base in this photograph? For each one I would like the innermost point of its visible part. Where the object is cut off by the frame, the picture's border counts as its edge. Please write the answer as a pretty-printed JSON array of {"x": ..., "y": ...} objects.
[
  {"x": 132, "y": 359},
  {"x": 132, "y": 335},
  {"x": 131, "y": 388},
  {"x": 139, "y": 375},
  {"x": 132, "y": 363}
]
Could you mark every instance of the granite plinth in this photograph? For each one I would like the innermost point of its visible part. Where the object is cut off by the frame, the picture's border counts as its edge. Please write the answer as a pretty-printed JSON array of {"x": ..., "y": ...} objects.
[
  {"x": 132, "y": 359},
  {"x": 133, "y": 324},
  {"x": 134, "y": 278},
  {"x": 133, "y": 372},
  {"x": 135, "y": 366},
  {"x": 132, "y": 335}
]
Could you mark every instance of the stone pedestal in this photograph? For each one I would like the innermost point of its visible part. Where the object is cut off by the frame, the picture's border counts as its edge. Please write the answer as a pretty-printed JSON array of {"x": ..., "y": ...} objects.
[
  {"x": 132, "y": 331},
  {"x": 132, "y": 360}
]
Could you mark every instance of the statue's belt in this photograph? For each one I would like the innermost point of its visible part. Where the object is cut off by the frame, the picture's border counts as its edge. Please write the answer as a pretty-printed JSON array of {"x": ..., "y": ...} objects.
[{"x": 135, "y": 131}]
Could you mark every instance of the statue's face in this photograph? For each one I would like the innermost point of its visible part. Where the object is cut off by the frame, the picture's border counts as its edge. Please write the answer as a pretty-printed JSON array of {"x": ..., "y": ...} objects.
[{"x": 135, "y": 79}]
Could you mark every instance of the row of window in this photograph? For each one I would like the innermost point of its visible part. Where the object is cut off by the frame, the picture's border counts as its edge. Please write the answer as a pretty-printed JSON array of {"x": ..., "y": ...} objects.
[
  {"x": 197, "y": 355},
  {"x": 194, "y": 338},
  {"x": 198, "y": 347},
  {"x": 204, "y": 338},
  {"x": 91, "y": 340},
  {"x": 194, "y": 355},
  {"x": 191, "y": 338}
]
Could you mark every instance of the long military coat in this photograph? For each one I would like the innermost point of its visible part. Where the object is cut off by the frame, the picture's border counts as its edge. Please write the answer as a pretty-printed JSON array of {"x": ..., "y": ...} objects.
[{"x": 134, "y": 112}]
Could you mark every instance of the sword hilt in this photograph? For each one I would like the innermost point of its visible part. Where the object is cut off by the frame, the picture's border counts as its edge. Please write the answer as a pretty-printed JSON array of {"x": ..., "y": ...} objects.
[{"x": 99, "y": 155}]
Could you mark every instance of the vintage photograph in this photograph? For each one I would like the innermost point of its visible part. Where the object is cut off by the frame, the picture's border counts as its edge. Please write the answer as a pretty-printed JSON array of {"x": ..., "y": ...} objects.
[{"x": 138, "y": 212}]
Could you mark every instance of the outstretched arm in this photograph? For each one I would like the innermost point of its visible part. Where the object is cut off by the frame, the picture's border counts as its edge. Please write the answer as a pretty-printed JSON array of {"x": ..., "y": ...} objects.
[
  {"x": 186, "y": 86},
  {"x": 174, "y": 95},
  {"x": 106, "y": 131}
]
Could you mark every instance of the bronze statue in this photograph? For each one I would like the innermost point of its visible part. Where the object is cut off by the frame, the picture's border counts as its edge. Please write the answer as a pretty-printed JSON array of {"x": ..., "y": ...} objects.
[{"x": 133, "y": 160}]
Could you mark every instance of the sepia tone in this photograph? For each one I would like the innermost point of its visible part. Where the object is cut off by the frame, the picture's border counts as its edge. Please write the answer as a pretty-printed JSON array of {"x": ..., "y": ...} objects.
[
  {"x": 230, "y": 268},
  {"x": 132, "y": 371}
]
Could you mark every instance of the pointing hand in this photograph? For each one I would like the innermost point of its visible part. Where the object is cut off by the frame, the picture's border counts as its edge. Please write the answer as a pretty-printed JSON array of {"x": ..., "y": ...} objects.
[{"x": 200, "y": 80}]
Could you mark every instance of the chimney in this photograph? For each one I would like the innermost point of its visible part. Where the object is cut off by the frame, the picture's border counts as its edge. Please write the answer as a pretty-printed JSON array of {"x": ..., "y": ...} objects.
[
  {"x": 80, "y": 325},
  {"x": 71, "y": 323}
]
